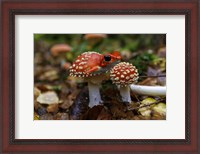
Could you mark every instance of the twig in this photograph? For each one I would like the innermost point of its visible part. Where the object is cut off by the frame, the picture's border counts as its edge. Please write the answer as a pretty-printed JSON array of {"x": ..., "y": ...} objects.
[{"x": 136, "y": 108}]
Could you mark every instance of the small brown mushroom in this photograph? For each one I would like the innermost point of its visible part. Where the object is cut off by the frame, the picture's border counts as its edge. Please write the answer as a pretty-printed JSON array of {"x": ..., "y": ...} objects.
[
  {"x": 60, "y": 48},
  {"x": 94, "y": 36}
]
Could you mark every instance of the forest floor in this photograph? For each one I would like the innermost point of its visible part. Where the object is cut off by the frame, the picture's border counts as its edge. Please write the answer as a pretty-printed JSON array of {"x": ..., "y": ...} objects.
[{"x": 58, "y": 96}]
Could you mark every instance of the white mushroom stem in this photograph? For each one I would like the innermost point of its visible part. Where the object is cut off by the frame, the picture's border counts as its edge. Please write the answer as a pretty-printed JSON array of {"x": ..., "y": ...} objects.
[
  {"x": 149, "y": 90},
  {"x": 94, "y": 94},
  {"x": 125, "y": 93}
]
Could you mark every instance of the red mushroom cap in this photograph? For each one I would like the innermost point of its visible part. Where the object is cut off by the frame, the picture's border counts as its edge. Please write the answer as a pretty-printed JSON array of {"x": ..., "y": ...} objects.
[
  {"x": 124, "y": 74},
  {"x": 85, "y": 62}
]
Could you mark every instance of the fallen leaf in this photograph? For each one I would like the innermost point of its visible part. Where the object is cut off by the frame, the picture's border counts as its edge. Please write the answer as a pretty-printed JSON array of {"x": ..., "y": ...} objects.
[
  {"x": 80, "y": 105},
  {"x": 104, "y": 115},
  {"x": 92, "y": 113},
  {"x": 160, "y": 108},
  {"x": 52, "y": 108},
  {"x": 146, "y": 111},
  {"x": 46, "y": 117},
  {"x": 50, "y": 75},
  {"x": 37, "y": 92},
  {"x": 48, "y": 98},
  {"x": 61, "y": 116},
  {"x": 36, "y": 116}
]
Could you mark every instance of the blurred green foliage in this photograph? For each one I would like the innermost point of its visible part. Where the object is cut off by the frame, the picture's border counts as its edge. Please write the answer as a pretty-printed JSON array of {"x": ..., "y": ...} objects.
[
  {"x": 143, "y": 60},
  {"x": 142, "y": 47}
]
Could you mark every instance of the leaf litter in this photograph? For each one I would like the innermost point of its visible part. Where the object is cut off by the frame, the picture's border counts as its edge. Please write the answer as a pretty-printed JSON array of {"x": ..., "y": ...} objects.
[{"x": 57, "y": 96}]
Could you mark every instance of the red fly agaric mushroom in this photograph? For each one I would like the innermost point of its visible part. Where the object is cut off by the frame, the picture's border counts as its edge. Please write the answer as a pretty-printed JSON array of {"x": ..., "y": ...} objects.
[
  {"x": 124, "y": 74},
  {"x": 88, "y": 66}
]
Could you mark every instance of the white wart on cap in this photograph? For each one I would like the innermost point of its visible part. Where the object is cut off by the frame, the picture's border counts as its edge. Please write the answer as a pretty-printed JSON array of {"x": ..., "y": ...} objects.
[{"x": 124, "y": 74}]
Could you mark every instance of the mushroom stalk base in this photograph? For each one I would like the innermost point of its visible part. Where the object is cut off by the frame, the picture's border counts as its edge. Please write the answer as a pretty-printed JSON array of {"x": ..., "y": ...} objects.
[
  {"x": 125, "y": 94},
  {"x": 94, "y": 94}
]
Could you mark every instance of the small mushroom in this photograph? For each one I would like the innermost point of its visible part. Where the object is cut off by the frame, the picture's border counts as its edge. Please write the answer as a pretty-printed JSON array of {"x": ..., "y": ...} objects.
[
  {"x": 94, "y": 39},
  {"x": 88, "y": 66},
  {"x": 123, "y": 75},
  {"x": 60, "y": 48},
  {"x": 95, "y": 36}
]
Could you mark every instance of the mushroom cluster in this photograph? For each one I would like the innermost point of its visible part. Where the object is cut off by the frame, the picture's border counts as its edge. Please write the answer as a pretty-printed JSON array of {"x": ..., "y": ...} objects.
[
  {"x": 123, "y": 75},
  {"x": 88, "y": 66}
]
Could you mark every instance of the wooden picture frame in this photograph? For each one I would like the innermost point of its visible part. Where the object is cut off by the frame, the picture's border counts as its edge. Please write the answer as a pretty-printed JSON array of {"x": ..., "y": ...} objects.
[{"x": 190, "y": 9}]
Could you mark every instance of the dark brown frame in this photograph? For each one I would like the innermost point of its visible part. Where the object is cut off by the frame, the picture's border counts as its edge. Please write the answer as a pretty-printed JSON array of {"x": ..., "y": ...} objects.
[{"x": 10, "y": 8}]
